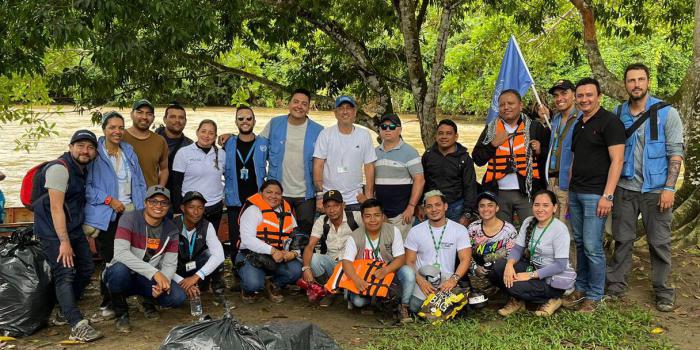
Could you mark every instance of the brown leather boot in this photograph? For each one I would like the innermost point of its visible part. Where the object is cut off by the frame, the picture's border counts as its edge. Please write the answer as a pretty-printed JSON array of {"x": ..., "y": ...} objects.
[
  {"x": 547, "y": 309},
  {"x": 511, "y": 307}
]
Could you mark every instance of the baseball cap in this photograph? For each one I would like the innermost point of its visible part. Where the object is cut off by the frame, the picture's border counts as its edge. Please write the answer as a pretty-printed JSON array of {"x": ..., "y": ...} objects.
[
  {"x": 392, "y": 117},
  {"x": 488, "y": 195},
  {"x": 84, "y": 134},
  {"x": 109, "y": 115},
  {"x": 333, "y": 195},
  {"x": 563, "y": 85},
  {"x": 143, "y": 102},
  {"x": 192, "y": 195},
  {"x": 345, "y": 99},
  {"x": 156, "y": 189}
]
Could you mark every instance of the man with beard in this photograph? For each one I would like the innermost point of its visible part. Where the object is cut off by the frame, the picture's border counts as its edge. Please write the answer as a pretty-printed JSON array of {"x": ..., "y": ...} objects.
[
  {"x": 58, "y": 220},
  {"x": 151, "y": 148},
  {"x": 244, "y": 172},
  {"x": 653, "y": 156},
  {"x": 175, "y": 120}
]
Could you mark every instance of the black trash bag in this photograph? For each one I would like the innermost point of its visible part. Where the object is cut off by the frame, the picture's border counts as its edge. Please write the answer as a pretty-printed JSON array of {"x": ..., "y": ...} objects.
[
  {"x": 26, "y": 293},
  {"x": 224, "y": 334},
  {"x": 295, "y": 335}
]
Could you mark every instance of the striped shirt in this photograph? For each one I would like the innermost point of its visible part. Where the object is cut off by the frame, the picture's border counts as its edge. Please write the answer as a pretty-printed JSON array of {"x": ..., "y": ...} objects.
[{"x": 394, "y": 171}]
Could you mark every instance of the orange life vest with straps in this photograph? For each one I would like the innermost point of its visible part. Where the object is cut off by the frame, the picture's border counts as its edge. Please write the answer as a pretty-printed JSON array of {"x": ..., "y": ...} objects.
[
  {"x": 275, "y": 227},
  {"x": 498, "y": 165},
  {"x": 365, "y": 268}
]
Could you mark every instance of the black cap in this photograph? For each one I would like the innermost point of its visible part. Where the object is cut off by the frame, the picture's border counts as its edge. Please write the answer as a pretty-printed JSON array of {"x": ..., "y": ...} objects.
[
  {"x": 562, "y": 85},
  {"x": 333, "y": 195},
  {"x": 488, "y": 195},
  {"x": 392, "y": 117},
  {"x": 81, "y": 135},
  {"x": 143, "y": 102},
  {"x": 192, "y": 195}
]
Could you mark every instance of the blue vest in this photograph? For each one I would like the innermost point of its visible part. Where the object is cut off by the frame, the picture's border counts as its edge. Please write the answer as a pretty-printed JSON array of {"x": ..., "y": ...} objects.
[
  {"x": 278, "y": 139},
  {"x": 655, "y": 167},
  {"x": 567, "y": 155},
  {"x": 73, "y": 204},
  {"x": 260, "y": 148}
]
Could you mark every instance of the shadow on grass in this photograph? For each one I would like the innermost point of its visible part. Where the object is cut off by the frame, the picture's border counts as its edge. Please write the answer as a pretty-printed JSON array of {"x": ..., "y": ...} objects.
[{"x": 610, "y": 327}]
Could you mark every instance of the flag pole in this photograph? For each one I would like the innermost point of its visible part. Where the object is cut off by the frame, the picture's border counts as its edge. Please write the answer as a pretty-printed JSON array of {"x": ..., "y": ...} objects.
[
  {"x": 539, "y": 102},
  {"x": 537, "y": 96}
]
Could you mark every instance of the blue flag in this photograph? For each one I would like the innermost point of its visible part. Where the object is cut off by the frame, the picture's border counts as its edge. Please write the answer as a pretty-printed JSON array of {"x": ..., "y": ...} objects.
[{"x": 514, "y": 75}]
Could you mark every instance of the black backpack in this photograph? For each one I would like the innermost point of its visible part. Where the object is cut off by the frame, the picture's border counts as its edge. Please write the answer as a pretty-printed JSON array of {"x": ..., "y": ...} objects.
[{"x": 327, "y": 227}]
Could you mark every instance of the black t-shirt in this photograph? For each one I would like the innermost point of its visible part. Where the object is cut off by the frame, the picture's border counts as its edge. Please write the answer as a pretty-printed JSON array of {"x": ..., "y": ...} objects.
[
  {"x": 152, "y": 241},
  {"x": 591, "y": 140},
  {"x": 246, "y": 187}
]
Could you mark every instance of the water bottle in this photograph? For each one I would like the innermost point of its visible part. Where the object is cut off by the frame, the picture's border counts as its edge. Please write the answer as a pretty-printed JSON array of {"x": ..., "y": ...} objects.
[{"x": 196, "y": 306}]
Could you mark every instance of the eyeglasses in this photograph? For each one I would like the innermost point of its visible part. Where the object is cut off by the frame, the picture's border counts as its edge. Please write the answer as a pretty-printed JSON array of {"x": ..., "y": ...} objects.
[
  {"x": 240, "y": 119},
  {"x": 388, "y": 127},
  {"x": 154, "y": 202}
]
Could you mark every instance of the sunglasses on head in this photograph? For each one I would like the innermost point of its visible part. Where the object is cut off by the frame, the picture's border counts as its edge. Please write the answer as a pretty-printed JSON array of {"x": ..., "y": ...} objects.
[
  {"x": 240, "y": 119},
  {"x": 388, "y": 126}
]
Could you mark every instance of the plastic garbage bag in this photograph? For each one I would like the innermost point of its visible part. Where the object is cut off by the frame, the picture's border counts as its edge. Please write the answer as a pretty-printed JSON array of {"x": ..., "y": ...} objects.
[
  {"x": 295, "y": 335},
  {"x": 26, "y": 292},
  {"x": 223, "y": 334}
]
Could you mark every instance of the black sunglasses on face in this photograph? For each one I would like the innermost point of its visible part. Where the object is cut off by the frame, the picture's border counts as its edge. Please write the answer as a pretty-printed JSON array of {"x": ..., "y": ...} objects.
[
  {"x": 388, "y": 126},
  {"x": 240, "y": 119}
]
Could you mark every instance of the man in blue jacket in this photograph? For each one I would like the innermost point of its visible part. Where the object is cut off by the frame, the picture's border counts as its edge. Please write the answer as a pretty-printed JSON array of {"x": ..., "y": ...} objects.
[
  {"x": 244, "y": 173},
  {"x": 560, "y": 156},
  {"x": 654, "y": 151}
]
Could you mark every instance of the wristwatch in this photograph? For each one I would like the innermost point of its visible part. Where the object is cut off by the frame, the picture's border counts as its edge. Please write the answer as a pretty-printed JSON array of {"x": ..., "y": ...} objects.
[
  {"x": 304, "y": 268},
  {"x": 608, "y": 197},
  {"x": 532, "y": 275},
  {"x": 455, "y": 277}
]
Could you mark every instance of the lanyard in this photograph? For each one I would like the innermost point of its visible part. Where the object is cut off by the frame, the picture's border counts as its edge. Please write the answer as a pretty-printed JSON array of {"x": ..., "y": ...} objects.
[
  {"x": 247, "y": 157},
  {"x": 537, "y": 242},
  {"x": 190, "y": 239},
  {"x": 375, "y": 249},
  {"x": 438, "y": 244},
  {"x": 563, "y": 129}
]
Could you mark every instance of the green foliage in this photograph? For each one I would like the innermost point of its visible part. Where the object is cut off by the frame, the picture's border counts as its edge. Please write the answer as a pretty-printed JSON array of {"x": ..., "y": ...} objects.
[{"x": 612, "y": 327}]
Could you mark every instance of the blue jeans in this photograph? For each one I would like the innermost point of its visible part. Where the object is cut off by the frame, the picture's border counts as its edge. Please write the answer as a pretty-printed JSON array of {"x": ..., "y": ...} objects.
[
  {"x": 120, "y": 279},
  {"x": 588, "y": 230},
  {"x": 455, "y": 210},
  {"x": 70, "y": 282},
  {"x": 322, "y": 265},
  {"x": 407, "y": 280},
  {"x": 200, "y": 261},
  {"x": 253, "y": 278}
]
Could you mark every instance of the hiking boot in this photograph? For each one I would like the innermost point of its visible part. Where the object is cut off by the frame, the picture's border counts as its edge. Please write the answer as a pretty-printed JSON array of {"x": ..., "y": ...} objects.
[
  {"x": 122, "y": 324},
  {"x": 511, "y": 307},
  {"x": 404, "y": 314},
  {"x": 588, "y": 306},
  {"x": 548, "y": 308},
  {"x": 327, "y": 300},
  {"x": 84, "y": 332},
  {"x": 572, "y": 300},
  {"x": 273, "y": 293},
  {"x": 664, "y": 305},
  {"x": 149, "y": 309},
  {"x": 249, "y": 298},
  {"x": 59, "y": 319}
]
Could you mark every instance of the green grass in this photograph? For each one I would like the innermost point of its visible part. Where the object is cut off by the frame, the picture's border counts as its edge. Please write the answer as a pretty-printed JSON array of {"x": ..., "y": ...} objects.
[{"x": 610, "y": 327}]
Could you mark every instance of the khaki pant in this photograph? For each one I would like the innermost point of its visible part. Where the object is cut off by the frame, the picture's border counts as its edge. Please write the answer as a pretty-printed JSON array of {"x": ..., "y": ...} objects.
[
  {"x": 397, "y": 221},
  {"x": 562, "y": 198}
]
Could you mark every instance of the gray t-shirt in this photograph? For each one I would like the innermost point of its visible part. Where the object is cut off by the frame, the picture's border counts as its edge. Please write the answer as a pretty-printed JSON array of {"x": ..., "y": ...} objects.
[
  {"x": 673, "y": 131},
  {"x": 57, "y": 178},
  {"x": 554, "y": 243},
  {"x": 293, "y": 171}
]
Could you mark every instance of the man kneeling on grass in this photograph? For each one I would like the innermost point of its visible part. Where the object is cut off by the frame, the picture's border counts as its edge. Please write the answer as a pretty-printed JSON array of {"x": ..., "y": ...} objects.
[
  {"x": 145, "y": 257},
  {"x": 378, "y": 240}
]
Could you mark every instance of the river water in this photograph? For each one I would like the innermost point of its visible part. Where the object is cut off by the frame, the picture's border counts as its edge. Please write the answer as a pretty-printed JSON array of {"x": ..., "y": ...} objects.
[{"x": 16, "y": 163}]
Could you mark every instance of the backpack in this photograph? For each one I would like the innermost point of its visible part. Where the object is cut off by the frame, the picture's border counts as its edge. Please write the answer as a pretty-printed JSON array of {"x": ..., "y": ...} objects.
[
  {"x": 32, "y": 191},
  {"x": 327, "y": 227}
]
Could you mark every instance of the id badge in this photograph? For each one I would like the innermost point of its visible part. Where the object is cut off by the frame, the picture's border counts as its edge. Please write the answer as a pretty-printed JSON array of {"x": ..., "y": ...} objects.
[
  {"x": 244, "y": 173},
  {"x": 437, "y": 266},
  {"x": 190, "y": 266},
  {"x": 342, "y": 169}
]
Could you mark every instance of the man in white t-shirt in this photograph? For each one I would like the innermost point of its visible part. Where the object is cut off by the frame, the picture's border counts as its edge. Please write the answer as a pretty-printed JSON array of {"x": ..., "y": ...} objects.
[
  {"x": 437, "y": 241},
  {"x": 378, "y": 240},
  {"x": 341, "y": 154}
]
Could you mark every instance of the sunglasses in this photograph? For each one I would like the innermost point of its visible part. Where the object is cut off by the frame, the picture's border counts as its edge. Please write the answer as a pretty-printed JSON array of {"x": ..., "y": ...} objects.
[
  {"x": 388, "y": 127},
  {"x": 240, "y": 119},
  {"x": 154, "y": 202}
]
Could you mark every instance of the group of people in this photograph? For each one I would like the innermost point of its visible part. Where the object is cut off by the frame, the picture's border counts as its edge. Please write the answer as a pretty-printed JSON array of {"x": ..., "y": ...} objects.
[{"x": 297, "y": 204}]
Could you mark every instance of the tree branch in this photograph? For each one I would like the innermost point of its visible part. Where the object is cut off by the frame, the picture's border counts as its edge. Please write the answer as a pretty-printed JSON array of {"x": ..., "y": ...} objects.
[
  {"x": 420, "y": 19},
  {"x": 439, "y": 57}
]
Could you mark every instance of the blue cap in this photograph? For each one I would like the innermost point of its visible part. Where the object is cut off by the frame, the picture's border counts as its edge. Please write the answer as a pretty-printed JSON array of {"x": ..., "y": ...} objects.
[{"x": 345, "y": 99}]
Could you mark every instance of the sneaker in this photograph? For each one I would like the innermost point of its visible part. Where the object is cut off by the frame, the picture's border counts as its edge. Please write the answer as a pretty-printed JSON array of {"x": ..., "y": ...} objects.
[
  {"x": 249, "y": 298},
  {"x": 548, "y": 308},
  {"x": 588, "y": 306},
  {"x": 107, "y": 313},
  {"x": 149, "y": 309},
  {"x": 327, "y": 300},
  {"x": 664, "y": 305},
  {"x": 122, "y": 324},
  {"x": 511, "y": 307},
  {"x": 404, "y": 314},
  {"x": 273, "y": 293},
  {"x": 59, "y": 319},
  {"x": 572, "y": 300},
  {"x": 84, "y": 332}
]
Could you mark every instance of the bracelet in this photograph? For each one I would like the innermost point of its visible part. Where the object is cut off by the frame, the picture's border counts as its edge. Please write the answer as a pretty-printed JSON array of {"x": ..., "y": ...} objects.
[
  {"x": 108, "y": 200},
  {"x": 669, "y": 188},
  {"x": 456, "y": 277}
]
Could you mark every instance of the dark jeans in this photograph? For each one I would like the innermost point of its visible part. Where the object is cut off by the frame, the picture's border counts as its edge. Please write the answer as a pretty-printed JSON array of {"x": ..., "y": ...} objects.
[
  {"x": 201, "y": 260},
  {"x": 534, "y": 291},
  {"x": 105, "y": 247},
  {"x": 304, "y": 212},
  {"x": 234, "y": 233},
  {"x": 121, "y": 280},
  {"x": 213, "y": 214},
  {"x": 455, "y": 210},
  {"x": 253, "y": 278},
  {"x": 70, "y": 282}
]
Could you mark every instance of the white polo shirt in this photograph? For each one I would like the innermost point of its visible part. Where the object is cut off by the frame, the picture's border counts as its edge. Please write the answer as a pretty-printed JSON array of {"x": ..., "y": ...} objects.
[{"x": 200, "y": 173}]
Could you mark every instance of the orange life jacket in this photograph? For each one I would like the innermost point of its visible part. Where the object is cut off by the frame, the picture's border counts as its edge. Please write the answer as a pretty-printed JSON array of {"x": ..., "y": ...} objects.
[
  {"x": 275, "y": 226},
  {"x": 497, "y": 166},
  {"x": 365, "y": 269}
]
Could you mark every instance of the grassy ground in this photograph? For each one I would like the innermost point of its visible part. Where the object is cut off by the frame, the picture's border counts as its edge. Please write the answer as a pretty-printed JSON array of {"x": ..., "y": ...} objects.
[{"x": 611, "y": 327}]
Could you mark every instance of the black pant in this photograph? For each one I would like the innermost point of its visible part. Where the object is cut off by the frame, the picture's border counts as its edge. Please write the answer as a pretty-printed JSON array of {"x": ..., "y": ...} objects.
[
  {"x": 105, "y": 247},
  {"x": 234, "y": 233},
  {"x": 304, "y": 212},
  {"x": 213, "y": 214},
  {"x": 534, "y": 291}
]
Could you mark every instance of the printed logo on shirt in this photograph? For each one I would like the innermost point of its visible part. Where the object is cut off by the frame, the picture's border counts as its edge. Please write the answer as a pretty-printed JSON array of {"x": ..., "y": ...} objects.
[
  {"x": 153, "y": 243},
  {"x": 369, "y": 254},
  {"x": 263, "y": 148}
]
